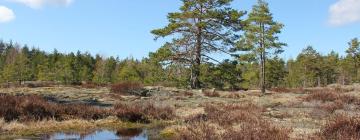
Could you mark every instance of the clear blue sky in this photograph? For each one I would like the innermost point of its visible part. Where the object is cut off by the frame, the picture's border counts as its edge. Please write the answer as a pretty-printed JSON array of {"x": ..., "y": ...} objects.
[{"x": 122, "y": 27}]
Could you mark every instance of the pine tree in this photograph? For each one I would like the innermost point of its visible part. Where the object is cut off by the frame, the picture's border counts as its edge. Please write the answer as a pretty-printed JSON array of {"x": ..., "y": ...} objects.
[
  {"x": 129, "y": 72},
  {"x": 354, "y": 52},
  {"x": 43, "y": 72},
  {"x": 87, "y": 67},
  {"x": 201, "y": 27},
  {"x": 110, "y": 65},
  {"x": 295, "y": 74},
  {"x": 99, "y": 71},
  {"x": 275, "y": 72},
  {"x": 331, "y": 68},
  {"x": 260, "y": 37},
  {"x": 310, "y": 61},
  {"x": 22, "y": 68}
]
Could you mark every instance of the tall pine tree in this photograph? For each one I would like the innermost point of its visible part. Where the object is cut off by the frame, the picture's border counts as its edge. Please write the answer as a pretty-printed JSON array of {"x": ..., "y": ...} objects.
[
  {"x": 261, "y": 37},
  {"x": 201, "y": 27}
]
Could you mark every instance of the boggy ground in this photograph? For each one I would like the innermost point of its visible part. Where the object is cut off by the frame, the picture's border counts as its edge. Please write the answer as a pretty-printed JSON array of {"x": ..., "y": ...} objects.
[{"x": 314, "y": 113}]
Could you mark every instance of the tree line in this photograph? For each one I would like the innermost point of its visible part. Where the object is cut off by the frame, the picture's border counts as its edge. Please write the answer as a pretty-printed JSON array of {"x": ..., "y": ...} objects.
[
  {"x": 199, "y": 29},
  {"x": 308, "y": 69}
]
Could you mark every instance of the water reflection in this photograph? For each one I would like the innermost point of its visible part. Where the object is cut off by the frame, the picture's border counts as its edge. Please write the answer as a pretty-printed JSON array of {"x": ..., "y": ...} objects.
[
  {"x": 122, "y": 134},
  {"x": 133, "y": 132}
]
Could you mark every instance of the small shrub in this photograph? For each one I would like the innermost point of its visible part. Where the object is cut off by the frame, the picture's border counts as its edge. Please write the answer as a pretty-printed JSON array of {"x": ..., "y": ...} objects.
[
  {"x": 35, "y": 108},
  {"x": 25, "y": 108},
  {"x": 321, "y": 96},
  {"x": 331, "y": 96},
  {"x": 199, "y": 131},
  {"x": 231, "y": 122},
  {"x": 332, "y": 106},
  {"x": 131, "y": 113},
  {"x": 212, "y": 93},
  {"x": 234, "y": 95},
  {"x": 280, "y": 90},
  {"x": 125, "y": 88},
  {"x": 343, "y": 90},
  {"x": 331, "y": 100},
  {"x": 81, "y": 111},
  {"x": 188, "y": 93},
  {"x": 233, "y": 113},
  {"x": 261, "y": 130},
  {"x": 89, "y": 85},
  {"x": 143, "y": 112},
  {"x": 159, "y": 112},
  {"x": 341, "y": 127}
]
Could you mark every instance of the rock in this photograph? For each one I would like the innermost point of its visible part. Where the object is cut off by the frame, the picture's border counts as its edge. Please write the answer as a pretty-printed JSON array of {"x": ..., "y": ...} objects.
[
  {"x": 141, "y": 92},
  {"x": 213, "y": 91}
]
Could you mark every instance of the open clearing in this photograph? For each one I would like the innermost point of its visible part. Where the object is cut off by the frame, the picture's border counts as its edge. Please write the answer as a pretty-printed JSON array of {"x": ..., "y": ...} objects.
[{"x": 299, "y": 110}]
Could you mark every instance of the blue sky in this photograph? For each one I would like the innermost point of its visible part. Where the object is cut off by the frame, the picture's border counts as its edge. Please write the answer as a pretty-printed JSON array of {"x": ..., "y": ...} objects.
[{"x": 122, "y": 27}]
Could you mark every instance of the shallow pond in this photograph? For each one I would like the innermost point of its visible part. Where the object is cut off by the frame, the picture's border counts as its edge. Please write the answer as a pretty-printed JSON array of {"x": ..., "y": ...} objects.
[
  {"x": 127, "y": 134},
  {"x": 131, "y": 134}
]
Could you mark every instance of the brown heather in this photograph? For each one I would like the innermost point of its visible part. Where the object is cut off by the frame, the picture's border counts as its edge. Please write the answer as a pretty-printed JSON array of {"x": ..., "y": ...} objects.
[
  {"x": 143, "y": 112},
  {"x": 211, "y": 94},
  {"x": 35, "y": 108},
  {"x": 125, "y": 87},
  {"x": 331, "y": 96},
  {"x": 341, "y": 127},
  {"x": 231, "y": 122}
]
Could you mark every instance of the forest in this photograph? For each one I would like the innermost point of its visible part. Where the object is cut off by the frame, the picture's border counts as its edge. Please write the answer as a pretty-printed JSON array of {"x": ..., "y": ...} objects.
[{"x": 308, "y": 69}]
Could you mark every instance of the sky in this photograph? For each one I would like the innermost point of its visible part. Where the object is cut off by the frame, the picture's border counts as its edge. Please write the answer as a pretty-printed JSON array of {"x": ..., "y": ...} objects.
[{"x": 122, "y": 27}]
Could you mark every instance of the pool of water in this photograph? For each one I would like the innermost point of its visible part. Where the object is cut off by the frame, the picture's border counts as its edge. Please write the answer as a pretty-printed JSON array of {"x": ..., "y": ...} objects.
[{"x": 128, "y": 134}]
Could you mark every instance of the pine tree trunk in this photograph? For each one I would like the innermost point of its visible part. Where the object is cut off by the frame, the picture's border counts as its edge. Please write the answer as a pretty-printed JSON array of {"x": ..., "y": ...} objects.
[
  {"x": 262, "y": 60},
  {"x": 195, "y": 82},
  {"x": 263, "y": 84}
]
